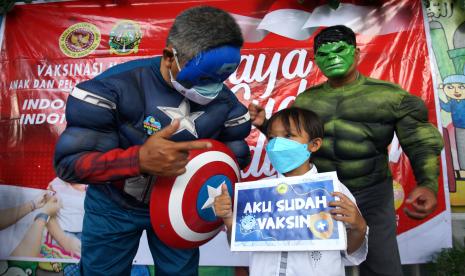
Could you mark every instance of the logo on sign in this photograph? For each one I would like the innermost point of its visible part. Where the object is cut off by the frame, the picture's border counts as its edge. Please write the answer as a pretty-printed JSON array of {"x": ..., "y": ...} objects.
[
  {"x": 248, "y": 223},
  {"x": 125, "y": 38},
  {"x": 321, "y": 225},
  {"x": 79, "y": 40},
  {"x": 287, "y": 214}
]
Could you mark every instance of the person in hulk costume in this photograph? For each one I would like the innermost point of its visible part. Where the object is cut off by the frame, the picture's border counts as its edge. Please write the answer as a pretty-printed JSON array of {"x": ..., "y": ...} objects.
[{"x": 360, "y": 116}]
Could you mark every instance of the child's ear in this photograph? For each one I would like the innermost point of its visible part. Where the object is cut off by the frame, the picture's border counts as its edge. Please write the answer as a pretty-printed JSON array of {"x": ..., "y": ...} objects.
[{"x": 315, "y": 144}]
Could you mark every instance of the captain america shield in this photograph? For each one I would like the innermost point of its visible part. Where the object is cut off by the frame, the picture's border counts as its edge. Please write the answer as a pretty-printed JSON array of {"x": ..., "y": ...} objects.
[{"x": 181, "y": 208}]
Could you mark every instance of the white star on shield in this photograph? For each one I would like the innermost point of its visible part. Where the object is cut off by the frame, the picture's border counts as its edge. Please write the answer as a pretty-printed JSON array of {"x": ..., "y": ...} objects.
[
  {"x": 212, "y": 193},
  {"x": 182, "y": 113}
]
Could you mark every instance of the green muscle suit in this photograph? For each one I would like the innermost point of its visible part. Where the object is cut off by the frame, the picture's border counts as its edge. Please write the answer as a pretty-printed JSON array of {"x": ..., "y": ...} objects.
[
  {"x": 360, "y": 120},
  {"x": 361, "y": 116}
]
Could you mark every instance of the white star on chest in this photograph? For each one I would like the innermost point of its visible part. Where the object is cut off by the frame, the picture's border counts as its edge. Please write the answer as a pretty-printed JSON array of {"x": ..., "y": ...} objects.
[
  {"x": 182, "y": 113},
  {"x": 212, "y": 193}
]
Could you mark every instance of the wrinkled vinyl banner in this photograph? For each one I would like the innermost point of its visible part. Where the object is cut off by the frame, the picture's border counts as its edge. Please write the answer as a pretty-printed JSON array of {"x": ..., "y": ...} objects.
[{"x": 48, "y": 48}]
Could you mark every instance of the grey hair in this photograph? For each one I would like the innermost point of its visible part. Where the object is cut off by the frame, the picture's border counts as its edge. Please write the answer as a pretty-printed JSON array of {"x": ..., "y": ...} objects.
[{"x": 201, "y": 28}]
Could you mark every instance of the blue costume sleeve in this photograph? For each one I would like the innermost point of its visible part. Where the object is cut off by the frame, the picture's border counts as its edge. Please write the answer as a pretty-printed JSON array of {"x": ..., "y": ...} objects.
[
  {"x": 91, "y": 131},
  {"x": 236, "y": 128}
]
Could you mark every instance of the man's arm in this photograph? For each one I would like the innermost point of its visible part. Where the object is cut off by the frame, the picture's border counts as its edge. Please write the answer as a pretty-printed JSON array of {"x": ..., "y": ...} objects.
[
  {"x": 30, "y": 243},
  {"x": 235, "y": 130},
  {"x": 11, "y": 215},
  {"x": 422, "y": 143},
  {"x": 88, "y": 150},
  {"x": 420, "y": 140}
]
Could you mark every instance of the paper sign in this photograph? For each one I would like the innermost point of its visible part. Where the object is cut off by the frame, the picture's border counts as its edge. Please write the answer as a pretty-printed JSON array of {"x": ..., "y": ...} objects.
[{"x": 287, "y": 214}]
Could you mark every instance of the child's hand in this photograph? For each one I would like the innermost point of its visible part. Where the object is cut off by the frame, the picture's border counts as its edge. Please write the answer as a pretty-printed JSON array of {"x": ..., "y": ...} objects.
[
  {"x": 346, "y": 211},
  {"x": 52, "y": 206},
  {"x": 223, "y": 206},
  {"x": 40, "y": 200}
]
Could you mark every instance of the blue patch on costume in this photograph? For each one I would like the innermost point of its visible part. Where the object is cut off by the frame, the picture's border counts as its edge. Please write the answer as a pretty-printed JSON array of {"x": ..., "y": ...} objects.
[{"x": 151, "y": 125}]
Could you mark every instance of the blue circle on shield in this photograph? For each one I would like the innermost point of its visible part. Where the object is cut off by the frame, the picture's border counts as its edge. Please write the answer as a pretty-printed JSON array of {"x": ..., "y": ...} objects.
[{"x": 205, "y": 198}]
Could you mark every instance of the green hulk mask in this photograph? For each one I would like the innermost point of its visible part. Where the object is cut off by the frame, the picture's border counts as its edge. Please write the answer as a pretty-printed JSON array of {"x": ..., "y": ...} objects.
[{"x": 335, "y": 58}]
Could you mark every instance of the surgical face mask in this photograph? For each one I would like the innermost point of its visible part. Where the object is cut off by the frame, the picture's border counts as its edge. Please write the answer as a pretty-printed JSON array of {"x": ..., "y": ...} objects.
[
  {"x": 200, "y": 94},
  {"x": 335, "y": 58},
  {"x": 286, "y": 155}
]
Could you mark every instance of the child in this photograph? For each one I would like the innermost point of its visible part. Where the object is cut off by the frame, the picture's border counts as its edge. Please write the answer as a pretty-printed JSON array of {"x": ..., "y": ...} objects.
[
  {"x": 66, "y": 228},
  {"x": 294, "y": 134}
]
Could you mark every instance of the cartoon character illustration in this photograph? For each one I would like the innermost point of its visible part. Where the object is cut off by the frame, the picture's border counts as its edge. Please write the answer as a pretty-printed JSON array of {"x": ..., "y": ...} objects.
[
  {"x": 454, "y": 89},
  {"x": 447, "y": 30},
  {"x": 439, "y": 9}
]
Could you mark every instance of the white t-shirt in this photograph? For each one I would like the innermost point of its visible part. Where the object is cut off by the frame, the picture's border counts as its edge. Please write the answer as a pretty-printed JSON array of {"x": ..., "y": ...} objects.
[
  {"x": 71, "y": 215},
  {"x": 306, "y": 263}
]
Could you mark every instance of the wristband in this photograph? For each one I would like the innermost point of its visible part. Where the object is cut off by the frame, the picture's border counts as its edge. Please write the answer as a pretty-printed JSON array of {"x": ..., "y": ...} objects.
[{"x": 43, "y": 217}]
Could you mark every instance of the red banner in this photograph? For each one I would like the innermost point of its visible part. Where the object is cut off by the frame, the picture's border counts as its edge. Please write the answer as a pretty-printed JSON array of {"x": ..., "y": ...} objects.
[{"x": 48, "y": 48}]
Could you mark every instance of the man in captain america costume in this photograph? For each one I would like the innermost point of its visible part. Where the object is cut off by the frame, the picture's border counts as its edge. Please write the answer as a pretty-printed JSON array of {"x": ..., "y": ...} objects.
[
  {"x": 137, "y": 121},
  {"x": 360, "y": 116}
]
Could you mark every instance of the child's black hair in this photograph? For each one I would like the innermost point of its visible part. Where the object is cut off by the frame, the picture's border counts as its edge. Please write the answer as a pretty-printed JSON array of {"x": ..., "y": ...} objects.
[{"x": 304, "y": 119}]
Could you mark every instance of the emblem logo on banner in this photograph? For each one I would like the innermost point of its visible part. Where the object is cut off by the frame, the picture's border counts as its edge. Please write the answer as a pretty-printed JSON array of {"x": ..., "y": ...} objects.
[
  {"x": 181, "y": 208},
  {"x": 125, "y": 37},
  {"x": 287, "y": 214},
  {"x": 79, "y": 40}
]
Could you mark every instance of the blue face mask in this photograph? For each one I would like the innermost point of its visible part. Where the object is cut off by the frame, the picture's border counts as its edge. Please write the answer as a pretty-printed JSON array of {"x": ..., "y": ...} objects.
[
  {"x": 286, "y": 155},
  {"x": 200, "y": 94}
]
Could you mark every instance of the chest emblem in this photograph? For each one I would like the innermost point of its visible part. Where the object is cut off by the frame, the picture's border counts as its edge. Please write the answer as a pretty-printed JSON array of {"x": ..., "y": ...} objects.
[
  {"x": 151, "y": 125},
  {"x": 185, "y": 117}
]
